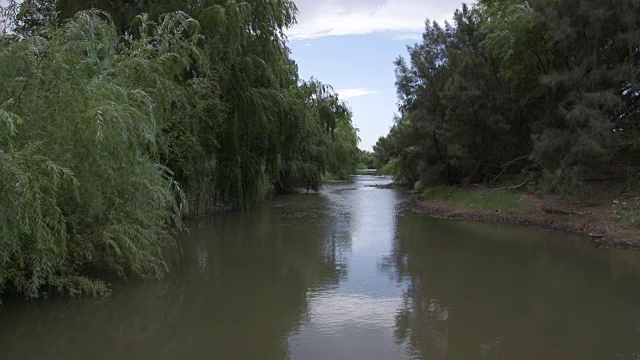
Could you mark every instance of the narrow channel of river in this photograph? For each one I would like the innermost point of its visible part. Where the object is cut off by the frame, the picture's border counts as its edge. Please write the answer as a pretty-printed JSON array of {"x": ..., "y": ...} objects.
[{"x": 349, "y": 273}]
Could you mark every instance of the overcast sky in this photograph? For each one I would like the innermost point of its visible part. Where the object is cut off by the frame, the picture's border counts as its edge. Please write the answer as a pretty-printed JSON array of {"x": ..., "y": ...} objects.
[
  {"x": 357, "y": 17},
  {"x": 351, "y": 44}
]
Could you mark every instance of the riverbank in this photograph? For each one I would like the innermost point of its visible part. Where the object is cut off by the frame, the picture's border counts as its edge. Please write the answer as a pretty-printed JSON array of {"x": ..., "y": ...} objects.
[{"x": 607, "y": 216}]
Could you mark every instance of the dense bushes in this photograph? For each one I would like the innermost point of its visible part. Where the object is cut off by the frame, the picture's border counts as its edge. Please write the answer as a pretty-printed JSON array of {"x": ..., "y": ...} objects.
[
  {"x": 544, "y": 88},
  {"x": 109, "y": 136}
]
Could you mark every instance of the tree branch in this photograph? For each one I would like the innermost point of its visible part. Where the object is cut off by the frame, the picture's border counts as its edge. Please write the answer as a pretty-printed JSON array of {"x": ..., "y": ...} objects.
[
  {"x": 505, "y": 166},
  {"x": 511, "y": 187}
]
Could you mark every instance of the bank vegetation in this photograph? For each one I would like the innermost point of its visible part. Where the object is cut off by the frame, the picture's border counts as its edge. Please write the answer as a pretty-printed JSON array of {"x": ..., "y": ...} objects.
[
  {"x": 117, "y": 122},
  {"x": 538, "y": 97}
]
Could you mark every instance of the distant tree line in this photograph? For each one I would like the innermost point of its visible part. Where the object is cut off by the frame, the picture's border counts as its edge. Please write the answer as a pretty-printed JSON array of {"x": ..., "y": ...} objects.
[
  {"x": 118, "y": 121},
  {"x": 366, "y": 159},
  {"x": 542, "y": 89}
]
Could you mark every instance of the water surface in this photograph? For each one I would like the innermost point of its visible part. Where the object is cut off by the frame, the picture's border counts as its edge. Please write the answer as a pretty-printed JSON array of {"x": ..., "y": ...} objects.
[{"x": 351, "y": 274}]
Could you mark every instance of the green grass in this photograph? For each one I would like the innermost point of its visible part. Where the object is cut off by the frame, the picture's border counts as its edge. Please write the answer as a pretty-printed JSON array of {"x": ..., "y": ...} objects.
[
  {"x": 481, "y": 200},
  {"x": 627, "y": 212},
  {"x": 330, "y": 177}
]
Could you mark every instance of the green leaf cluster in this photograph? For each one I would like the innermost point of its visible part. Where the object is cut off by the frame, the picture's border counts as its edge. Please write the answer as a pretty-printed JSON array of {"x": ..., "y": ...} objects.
[{"x": 544, "y": 88}]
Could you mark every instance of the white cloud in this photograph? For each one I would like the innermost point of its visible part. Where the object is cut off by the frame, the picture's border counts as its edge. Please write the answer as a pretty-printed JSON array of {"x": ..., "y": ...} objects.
[
  {"x": 346, "y": 94},
  {"x": 408, "y": 36},
  {"x": 353, "y": 17},
  {"x": 3, "y": 20}
]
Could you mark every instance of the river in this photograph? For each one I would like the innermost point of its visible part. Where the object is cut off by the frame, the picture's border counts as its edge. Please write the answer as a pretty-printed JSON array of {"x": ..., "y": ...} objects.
[{"x": 350, "y": 273}]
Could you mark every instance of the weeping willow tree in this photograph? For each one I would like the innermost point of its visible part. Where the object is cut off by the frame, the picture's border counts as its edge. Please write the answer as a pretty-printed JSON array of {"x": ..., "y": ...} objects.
[
  {"x": 260, "y": 127},
  {"x": 111, "y": 132},
  {"x": 79, "y": 187},
  {"x": 319, "y": 137},
  {"x": 276, "y": 130}
]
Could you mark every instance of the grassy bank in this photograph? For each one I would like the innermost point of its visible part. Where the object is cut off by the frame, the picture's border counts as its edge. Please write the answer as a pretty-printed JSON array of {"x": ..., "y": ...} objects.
[
  {"x": 480, "y": 200},
  {"x": 605, "y": 222}
]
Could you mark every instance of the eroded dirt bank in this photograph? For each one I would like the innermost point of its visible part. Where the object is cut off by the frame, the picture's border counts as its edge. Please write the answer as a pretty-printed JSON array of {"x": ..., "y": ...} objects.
[{"x": 599, "y": 222}]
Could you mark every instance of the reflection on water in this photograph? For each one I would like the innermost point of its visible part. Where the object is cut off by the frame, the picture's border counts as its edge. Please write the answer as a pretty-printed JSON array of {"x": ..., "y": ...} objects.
[
  {"x": 486, "y": 292},
  {"x": 350, "y": 274},
  {"x": 356, "y": 319}
]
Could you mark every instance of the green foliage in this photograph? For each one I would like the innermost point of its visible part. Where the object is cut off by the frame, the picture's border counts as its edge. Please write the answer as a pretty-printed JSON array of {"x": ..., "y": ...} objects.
[
  {"x": 79, "y": 190},
  {"x": 627, "y": 211},
  {"x": 318, "y": 139},
  {"x": 111, "y": 132},
  {"x": 238, "y": 120},
  {"x": 390, "y": 168},
  {"x": 366, "y": 160},
  {"x": 480, "y": 200},
  {"x": 544, "y": 87}
]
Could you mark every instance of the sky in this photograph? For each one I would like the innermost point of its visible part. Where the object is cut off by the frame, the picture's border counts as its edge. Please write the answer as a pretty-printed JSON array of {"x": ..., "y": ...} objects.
[
  {"x": 351, "y": 45},
  {"x": 3, "y": 3}
]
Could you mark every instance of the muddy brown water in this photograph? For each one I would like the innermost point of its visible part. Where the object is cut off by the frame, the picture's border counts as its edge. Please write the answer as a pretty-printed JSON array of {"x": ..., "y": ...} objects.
[{"x": 350, "y": 273}]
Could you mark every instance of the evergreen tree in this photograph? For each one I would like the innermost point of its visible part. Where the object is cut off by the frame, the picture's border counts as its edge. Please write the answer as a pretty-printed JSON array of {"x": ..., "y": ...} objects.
[{"x": 545, "y": 87}]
